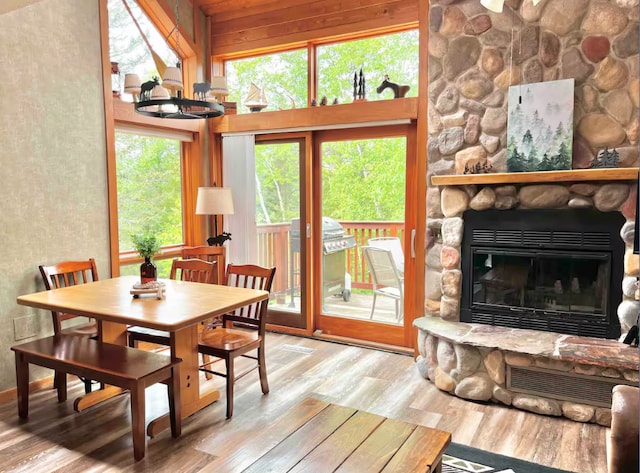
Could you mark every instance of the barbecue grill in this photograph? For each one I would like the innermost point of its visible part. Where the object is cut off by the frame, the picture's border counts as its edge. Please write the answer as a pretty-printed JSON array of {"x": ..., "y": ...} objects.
[{"x": 335, "y": 243}]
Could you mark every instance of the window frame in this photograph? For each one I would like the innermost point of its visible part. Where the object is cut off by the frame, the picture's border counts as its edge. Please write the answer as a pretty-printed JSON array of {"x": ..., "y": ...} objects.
[
  {"x": 219, "y": 63},
  {"x": 122, "y": 113}
]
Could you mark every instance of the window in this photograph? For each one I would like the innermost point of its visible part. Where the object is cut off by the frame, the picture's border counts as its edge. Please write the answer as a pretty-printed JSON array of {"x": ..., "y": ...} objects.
[
  {"x": 126, "y": 45},
  {"x": 282, "y": 76},
  {"x": 149, "y": 187},
  {"x": 395, "y": 55}
]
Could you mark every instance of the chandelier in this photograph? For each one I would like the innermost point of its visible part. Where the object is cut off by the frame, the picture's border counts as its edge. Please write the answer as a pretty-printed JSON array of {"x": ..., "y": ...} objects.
[{"x": 166, "y": 99}]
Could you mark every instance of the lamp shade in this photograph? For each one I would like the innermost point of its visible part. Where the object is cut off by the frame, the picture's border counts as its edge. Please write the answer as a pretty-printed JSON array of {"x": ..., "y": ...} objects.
[
  {"x": 214, "y": 201},
  {"x": 172, "y": 78},
  {"x": 219, "y": 85},
  {"x": 132, "y": 84},
  {"x": 493, "y": 5}
]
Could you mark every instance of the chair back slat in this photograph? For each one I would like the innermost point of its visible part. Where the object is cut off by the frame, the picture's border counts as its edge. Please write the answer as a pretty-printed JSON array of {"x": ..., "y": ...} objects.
[
  {"x": 249, "y": 276},
  {"x": 215, "y": 254},
  {"x": 65, "y": 274},
  {"x": 193, "y": 270}
]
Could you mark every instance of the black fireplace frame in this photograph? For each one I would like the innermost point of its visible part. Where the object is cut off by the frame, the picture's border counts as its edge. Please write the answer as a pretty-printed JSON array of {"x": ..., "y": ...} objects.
[{"x": 544, "y": 230}]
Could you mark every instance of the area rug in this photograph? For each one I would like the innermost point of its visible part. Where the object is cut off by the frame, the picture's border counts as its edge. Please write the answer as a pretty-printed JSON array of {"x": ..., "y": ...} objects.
[{"x": 462, "y": 459}]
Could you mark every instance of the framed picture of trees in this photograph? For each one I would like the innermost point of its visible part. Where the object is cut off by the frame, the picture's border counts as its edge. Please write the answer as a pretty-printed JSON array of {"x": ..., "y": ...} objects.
[{"x": 540, "y": 126}]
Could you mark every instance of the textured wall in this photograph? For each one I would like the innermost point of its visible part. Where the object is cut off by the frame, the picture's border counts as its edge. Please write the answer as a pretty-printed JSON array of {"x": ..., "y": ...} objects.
[{"x": 52, "y": 154}]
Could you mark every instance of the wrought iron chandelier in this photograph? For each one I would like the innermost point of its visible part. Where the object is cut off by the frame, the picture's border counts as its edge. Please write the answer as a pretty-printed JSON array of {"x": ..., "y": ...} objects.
[{"x": 166, "y": 100}]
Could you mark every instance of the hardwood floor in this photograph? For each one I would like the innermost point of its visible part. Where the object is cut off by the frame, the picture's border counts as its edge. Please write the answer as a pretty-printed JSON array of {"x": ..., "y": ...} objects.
[{"x": 57, "y": 439}]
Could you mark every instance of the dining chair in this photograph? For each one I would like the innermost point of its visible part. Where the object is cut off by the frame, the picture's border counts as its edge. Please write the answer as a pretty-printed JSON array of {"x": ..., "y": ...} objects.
[
  {"x": 385, "y": 277},
  {"x": 217, "y": 254},
  {"x": 193, "y": 270},
  {"x": 242, "y": 331},
  {"x": 63, "y": 274}
]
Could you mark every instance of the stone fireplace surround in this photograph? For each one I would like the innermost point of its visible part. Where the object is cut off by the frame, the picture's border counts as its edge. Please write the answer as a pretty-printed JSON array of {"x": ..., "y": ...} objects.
[{"x": 474, "y": 361}]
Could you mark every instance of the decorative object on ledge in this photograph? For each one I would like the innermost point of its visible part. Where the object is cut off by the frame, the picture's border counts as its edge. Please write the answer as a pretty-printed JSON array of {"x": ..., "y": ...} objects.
[
  {"x": 324, "y": 101},
  {"x": 230, "y": 108},
  {"x": 359, "y": 86},
  {"x": 540, "y": 126},
  {"x": 335, "y": 101},
  {"x": 116, "y": 85},
  {"x": 314, "y": 103},
  {"x": 478, "y": 168},
  {"x": 256, "y": 100},
  {"x": 398, "y": 90},
  {"x": 155, "y": 100},
  {"x": 606, "y": 159},
  {"x": 215, "y": 201}
]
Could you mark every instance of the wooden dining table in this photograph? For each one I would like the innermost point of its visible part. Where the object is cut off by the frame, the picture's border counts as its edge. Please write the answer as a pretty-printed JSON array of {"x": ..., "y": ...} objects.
[{"x": 179, "y": 312}]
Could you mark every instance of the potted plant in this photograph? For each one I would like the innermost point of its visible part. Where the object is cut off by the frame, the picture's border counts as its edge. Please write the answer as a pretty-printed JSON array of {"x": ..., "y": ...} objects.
[{"x": 147, "y": 245}]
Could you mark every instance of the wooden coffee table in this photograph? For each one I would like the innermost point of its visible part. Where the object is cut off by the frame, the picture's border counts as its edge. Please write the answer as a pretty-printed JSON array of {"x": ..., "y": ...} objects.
[{"x": 316, "y": 436}]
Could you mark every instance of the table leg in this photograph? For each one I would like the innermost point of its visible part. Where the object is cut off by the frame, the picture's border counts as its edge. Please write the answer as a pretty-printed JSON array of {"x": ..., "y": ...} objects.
[
  {"x": 184, "y": 345},
  {"x": 109, "y": 332}
]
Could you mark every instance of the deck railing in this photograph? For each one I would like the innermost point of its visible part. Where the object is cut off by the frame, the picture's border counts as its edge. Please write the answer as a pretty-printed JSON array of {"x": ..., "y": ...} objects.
[{"x": 274, "y": 250}]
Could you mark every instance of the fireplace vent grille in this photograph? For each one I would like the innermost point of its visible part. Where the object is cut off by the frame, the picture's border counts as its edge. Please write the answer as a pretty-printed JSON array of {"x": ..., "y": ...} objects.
[
  {"x": 530, "y": 238},
  {"x": 592, "y": 390},
  {"x": 545, "y": 324}
]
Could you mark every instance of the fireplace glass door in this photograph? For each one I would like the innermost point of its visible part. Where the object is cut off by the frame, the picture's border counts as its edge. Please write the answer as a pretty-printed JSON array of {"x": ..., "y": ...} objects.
[{"x": 541, "y": 282}]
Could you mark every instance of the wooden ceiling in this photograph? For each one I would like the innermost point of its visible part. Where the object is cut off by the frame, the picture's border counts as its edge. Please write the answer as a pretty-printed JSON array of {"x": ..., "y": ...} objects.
[
  {"x": 239, "y": 26},
  {"x": 211, "y": 7}
]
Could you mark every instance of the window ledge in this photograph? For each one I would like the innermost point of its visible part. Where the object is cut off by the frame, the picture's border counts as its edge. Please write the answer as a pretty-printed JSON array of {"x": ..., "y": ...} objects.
[{"x": 320, "y": 117}]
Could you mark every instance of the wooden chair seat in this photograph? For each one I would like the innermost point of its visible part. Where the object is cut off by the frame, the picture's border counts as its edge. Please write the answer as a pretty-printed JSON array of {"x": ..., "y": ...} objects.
[
  {"x": 118, "y": 365},
  {"x": 227, "y": 339}
]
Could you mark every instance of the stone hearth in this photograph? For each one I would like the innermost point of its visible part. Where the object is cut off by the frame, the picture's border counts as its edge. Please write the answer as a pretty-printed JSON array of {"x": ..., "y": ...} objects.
[{"x": 541, "y": 372}]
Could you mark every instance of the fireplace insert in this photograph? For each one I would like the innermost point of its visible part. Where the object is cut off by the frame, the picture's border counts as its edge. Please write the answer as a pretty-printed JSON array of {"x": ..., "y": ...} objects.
[{"x": 551, "y": 270}]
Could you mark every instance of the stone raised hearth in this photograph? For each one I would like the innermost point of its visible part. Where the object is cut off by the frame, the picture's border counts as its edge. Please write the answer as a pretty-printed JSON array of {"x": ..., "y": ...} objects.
[{"x": 542, "y": 372}]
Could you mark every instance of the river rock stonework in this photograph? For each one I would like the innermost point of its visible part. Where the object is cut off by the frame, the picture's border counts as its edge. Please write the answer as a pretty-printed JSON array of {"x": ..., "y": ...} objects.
[{"x": 476, "y": 55}]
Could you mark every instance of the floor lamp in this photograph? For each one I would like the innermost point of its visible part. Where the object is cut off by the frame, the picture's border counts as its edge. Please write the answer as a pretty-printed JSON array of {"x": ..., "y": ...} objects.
[{"x": 215, "y": 201}]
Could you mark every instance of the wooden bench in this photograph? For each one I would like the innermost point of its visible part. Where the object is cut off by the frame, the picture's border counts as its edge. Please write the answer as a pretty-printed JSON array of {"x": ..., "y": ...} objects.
[{"x": 117, "y": 365}]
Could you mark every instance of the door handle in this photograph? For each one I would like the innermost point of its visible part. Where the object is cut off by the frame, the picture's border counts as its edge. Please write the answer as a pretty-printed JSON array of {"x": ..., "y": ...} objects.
[
  {"x": 308, "y": 230},
  {"x": 413, "y": 243}
]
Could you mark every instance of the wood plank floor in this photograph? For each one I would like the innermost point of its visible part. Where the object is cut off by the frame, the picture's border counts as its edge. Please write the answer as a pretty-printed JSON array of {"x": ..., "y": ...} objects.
[{"x": 57, "y": 439}]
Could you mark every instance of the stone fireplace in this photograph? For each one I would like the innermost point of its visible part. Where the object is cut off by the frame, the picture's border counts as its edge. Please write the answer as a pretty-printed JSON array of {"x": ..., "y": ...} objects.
[{"x": 539, "y": 351}]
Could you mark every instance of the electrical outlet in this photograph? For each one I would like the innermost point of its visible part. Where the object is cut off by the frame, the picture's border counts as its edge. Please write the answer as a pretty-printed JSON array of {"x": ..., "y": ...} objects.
[{"x": 25, "y": 327}]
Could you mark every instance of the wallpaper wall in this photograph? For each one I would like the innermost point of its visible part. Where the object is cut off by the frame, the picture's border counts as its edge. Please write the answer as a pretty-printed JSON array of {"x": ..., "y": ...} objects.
[{"x": 54, "y": 203}]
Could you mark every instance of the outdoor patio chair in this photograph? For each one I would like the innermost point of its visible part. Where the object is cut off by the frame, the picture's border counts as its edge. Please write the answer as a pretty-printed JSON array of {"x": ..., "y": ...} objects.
[
  {"x": 385, "y": 277},
  {"x": 395, "y": 245}
]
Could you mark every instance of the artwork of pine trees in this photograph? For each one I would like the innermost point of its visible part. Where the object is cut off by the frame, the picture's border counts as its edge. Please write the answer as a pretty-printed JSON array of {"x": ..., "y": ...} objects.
[{"x": 540, "y": 126}]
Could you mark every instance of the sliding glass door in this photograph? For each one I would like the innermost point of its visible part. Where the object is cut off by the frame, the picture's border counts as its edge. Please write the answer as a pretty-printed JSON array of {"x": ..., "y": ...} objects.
[{"x": 362, "y": 245}]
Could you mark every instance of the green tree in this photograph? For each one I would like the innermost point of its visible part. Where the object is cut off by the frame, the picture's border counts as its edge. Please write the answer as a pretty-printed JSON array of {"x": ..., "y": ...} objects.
[{"x": 149, "y": 188}]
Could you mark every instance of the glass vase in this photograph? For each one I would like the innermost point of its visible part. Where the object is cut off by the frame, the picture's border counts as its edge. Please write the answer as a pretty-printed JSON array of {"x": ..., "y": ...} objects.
[{"x": 148, "y": 271}]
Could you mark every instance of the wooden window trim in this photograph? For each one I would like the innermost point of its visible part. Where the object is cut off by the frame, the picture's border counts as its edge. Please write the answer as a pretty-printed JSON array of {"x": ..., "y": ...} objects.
[{"x": 117, "y": 111}]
